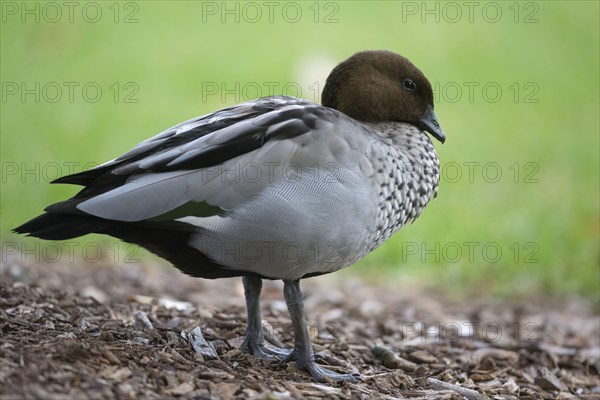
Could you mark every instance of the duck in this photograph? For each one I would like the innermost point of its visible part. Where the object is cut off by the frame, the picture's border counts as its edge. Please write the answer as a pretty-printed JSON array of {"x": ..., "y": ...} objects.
[{"x": 275, "y": 188}]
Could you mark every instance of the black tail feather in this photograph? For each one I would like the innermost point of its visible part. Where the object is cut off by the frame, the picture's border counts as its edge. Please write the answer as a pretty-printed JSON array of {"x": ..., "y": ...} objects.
[
  {"x": 60, "y": 226},
  {"x": 168, "y": 240}
]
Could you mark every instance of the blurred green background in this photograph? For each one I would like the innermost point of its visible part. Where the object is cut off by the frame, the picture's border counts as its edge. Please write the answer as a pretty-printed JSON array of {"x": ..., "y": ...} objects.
[{"x": 517, "y": 93}]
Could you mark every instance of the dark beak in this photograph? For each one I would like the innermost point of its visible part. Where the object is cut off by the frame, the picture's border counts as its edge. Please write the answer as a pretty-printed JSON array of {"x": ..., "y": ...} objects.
[{"x": 430, "y": 124}]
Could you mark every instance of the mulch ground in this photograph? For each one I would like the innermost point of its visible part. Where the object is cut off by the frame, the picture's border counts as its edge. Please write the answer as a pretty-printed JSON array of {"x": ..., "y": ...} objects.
[{"x": 129, "y": 332}]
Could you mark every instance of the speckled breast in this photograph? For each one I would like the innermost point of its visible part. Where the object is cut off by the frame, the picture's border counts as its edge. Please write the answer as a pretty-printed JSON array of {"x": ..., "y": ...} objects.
[{"x": 406, "y": 177}]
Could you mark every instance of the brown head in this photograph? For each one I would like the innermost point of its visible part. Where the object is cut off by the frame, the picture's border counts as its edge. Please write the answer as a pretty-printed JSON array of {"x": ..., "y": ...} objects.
[{"x": 381, "y": 86}]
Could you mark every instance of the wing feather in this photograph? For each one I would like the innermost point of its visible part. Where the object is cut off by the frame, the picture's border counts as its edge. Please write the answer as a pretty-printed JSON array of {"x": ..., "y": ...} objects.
[{"x": 215, "y": 170}]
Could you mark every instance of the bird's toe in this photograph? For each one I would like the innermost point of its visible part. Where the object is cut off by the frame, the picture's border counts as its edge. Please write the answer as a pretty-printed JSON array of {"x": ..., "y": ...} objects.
[
  {"x": 322, "y": 374},
  {"x": 266, "y": 352}
]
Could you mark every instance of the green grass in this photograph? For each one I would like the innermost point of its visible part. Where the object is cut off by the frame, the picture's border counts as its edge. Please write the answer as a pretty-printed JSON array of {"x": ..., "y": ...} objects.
[{"x": 542, "y": 212}]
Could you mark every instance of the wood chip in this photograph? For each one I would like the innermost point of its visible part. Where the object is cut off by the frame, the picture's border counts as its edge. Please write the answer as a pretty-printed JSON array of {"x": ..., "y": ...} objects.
[
  {"x": 488, "y": 364},
  {"x": 498, "y": 354},
  {"x": 167, "y": 303},
  {"x": 511, "y": 385},
  {"x": 469, "y": 394},
  {"x": 326, "y": 389},
  {"x": 120, "y": 374},
  {"x": 141, "y": 322},
  {"x": 423, "y": 357},
  {"x": 547, "y": 380},
  {"x": 182, "y": 389},
  {"x": 109, "y": 355},
  {"x": 481, "y": 377},
  {"x": 390, "y": 360},
  {"x": 200, "y": 345}
]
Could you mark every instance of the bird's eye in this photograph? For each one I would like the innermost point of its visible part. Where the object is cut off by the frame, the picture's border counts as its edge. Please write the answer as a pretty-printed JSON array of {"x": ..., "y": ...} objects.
[{"x": 409, "y": 85}]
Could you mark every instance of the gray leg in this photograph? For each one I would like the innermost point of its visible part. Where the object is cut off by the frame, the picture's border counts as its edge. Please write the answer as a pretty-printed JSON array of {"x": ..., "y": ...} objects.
[
  {"x": 303, "y": 351},
  {"x": 254, "y": 343}
]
